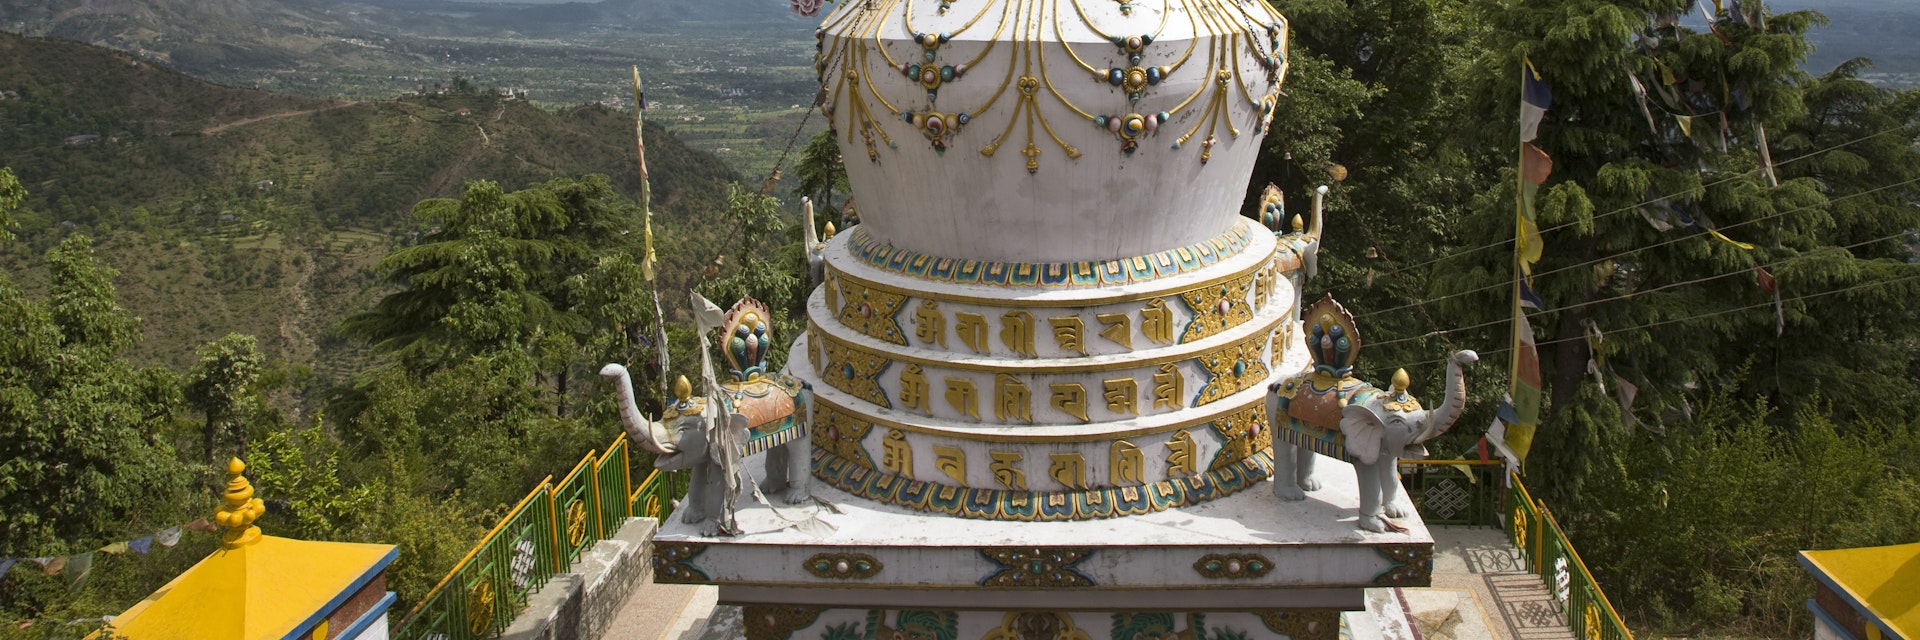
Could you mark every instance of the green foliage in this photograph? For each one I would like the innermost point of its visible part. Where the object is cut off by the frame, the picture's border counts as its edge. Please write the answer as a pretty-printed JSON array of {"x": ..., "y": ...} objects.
[
  {"x": 1697, "y": 532},
  {"x": 768, "y": 266},
  {"x": 11, "y": 194},
  {"x": 83, "y": 456},
  {"x": 218, "y": 386},
  {"x": 822, "y": 175}
]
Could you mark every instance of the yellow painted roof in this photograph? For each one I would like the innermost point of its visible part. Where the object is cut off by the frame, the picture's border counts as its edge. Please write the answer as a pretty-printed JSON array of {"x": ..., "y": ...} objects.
[
  {"x": 1885, "y": 581},
  {"x": 262, "y": 590}
]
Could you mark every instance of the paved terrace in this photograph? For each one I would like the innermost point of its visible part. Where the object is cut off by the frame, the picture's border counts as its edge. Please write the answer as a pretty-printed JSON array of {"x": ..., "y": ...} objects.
[{"x": 1480, "y": 592}]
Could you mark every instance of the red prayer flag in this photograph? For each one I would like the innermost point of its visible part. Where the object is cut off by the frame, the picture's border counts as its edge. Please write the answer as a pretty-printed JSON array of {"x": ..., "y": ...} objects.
[{"x": 1535, "y": 165}]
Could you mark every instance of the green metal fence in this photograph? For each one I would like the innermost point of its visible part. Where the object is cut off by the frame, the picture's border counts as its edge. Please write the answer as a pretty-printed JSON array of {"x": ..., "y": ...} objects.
[
  {"x": 1545, "y": 550},
  {"x": 490, "y": 586},
  {"x": 542, "y": 535},
  {"x": 1454, "y": 491}
]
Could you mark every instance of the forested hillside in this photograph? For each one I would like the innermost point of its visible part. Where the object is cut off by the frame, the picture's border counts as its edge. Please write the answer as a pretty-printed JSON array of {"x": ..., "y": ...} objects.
[
  {"x": 235, "y": 209},
  {"x": 191, "y": 254}
]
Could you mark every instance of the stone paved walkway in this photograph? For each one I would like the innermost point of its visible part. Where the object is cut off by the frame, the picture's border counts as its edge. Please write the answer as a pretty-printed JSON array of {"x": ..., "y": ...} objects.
[
  {"x": 1477, "y": 566},
  {"x": 663, "y": 612}
]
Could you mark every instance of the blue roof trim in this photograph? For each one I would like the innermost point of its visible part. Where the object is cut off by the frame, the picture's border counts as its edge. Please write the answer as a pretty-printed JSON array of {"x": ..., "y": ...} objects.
[
  {"x": 353, "y": 631},
  {"x": 1886, "y": 630},
  {"x": 1821, "y": 617},
  {"x": 301, "y": 630}
]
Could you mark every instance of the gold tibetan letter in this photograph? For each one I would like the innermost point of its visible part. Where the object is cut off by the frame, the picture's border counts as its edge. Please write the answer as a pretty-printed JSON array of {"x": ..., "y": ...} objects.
[
  {"x": 1012, "y": 401},
  {"x": 913, "y": 389},
  {"x": 1068, "y": 469},
  {"x": 1156, "y": 321},
  {"x": 929, "y": 325},
  {"x": 1119, "y": 328},
  {"x": 1126, "y": 462},
  {"x": 1122, "y": 395},
  {"x": 1167, "y": 384},
  {"x": 1070, "y": 398},
  {"x": 898, "y": 456},
  {"x": 1067, "y": 331},
  {"x": 961, "y": 394},
  {"x": 972, "y": 328},
  {"x": 1016, "y": 331},
  {"x": 1006, "y": 470},
  {"x": 1180, "y": 451},
  {"x": 951, "y": 461}
]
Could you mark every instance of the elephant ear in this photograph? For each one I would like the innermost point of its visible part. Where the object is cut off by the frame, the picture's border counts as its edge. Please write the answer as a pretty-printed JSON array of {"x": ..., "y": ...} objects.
[{"x": 1365, "y": 432}]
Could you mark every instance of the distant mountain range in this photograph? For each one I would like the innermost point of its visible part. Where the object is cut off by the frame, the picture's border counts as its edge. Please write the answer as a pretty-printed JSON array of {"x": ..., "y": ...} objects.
[{"x": 203, "y": 36}]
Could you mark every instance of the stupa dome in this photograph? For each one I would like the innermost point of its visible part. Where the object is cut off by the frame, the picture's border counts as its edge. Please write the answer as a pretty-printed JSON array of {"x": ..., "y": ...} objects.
[{"x": 1033, "y": 132}]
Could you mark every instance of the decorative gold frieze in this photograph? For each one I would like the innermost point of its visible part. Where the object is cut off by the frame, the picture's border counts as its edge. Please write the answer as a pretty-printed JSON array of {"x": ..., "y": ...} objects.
[
  {"x": 1232, "y": 566},
  {"x": 1006, "y": 470},
  {"x": 1411, "y": 565},
  {"x": 853, "y": 370},
  {"x": 1168, "y": 387},
  {"x": 897, "y": 455},
  {"x": 871, "y": 311},
  {"x": 929, "y": 325},
  {"x": 1016, "y": 332},
  {"x": 1037, "y": 625},
  {"x": 840, "y": 433},
  {"x": 1039, "y": 568},
  {"x": 776, "y": 621},
  {"x": 1216, "y": 308},
  {"x": 1069, "y": 333},
  {"x": 1070, "y": 398},
  {"x": 951, "y": 461},
  {"x": 1180, "y": 455},
  {"x": 1243, "y": 432},
  {"x": 1156, "y": 322},
  {"x": 1126, "y": 464},
  {"x": 963, "y": 397},
  {"x": 1234, "y": 369},
  {"x": 972, "y": 328},
  {"x": 1068, "y": 469},
  {"x": 1122, "y": 395},
  {"x": 1302, "y": 624},
  {"x": 913, "y": 389},
  {"x": 1012, "y": 400},
  {"x": 843, "y": 566},
  {"x": 1117, "y": 327}
]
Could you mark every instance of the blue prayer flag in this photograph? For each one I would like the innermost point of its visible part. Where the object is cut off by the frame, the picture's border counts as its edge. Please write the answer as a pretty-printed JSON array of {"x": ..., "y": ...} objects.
[{"x": 1535, "y": 99}]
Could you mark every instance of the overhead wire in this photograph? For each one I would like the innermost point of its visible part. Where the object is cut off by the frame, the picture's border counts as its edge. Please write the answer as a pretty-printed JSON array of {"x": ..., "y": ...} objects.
[
  {"x": 1503, "y": 285},
  {"x": 1634, "y": 207},
  {"x": 1769, "y": 303}
]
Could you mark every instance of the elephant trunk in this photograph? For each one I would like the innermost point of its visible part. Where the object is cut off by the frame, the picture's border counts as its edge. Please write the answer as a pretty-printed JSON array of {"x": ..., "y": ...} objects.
[
  {"x": 644, "y": 432},
  {"x": 1449, "y": 410}
]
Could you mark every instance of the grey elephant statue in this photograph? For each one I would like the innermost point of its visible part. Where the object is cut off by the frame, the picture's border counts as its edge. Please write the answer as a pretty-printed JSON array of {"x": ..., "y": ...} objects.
[
  {"x": 1326, "y": 411},
  {"x": 760, "y": 412}
]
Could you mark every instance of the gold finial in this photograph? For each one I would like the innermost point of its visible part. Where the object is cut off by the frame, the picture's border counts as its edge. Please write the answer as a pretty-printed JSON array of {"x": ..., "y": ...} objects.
[
  {"x": 1298, "y": 226},
  {"x": 1401, "y": 381},
  {"x": 238, "y": 508},
  {"x": 1397, "y": 398},
  {"x": 682, "y": 389},
  {"x": 830, "y": 231}
]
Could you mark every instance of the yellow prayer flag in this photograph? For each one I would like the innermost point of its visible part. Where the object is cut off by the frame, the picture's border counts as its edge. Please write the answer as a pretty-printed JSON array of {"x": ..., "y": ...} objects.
[
  {"x": 1723, "y": 238},
  {"x": 1528, "y": 245},
  {"x": 115, "y": 548}
]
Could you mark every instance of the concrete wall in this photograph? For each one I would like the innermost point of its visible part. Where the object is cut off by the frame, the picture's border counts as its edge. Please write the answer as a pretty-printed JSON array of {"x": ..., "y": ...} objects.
[{"x": 579, "y": 605}]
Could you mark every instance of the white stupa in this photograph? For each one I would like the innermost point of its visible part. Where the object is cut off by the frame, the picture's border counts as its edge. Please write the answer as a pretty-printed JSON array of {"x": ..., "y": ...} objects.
[{"x": 1040, "y": 361}]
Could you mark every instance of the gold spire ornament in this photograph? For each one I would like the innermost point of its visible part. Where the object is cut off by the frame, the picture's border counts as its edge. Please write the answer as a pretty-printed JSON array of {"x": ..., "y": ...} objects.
[
  {"x": 1398, "y": 399},
  {"x": 238, "y": 509}
]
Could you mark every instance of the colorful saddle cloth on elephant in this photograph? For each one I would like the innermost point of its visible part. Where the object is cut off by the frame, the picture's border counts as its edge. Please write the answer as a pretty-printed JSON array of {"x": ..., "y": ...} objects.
[
  {"x": 768, "y": 403},
  {"x": 1311, "y": 405}
]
